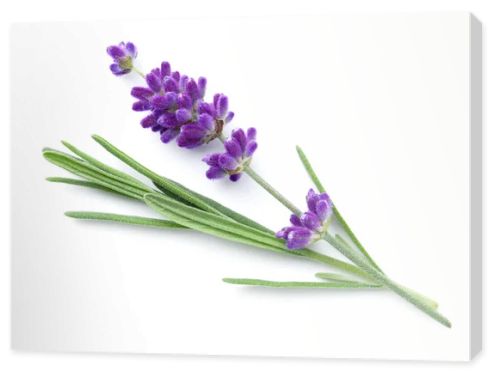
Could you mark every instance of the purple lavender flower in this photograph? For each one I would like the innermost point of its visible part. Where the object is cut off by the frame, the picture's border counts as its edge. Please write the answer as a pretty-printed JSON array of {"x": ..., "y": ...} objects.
[
  {"x": 123, "y": 56},
  {"x": 310, "y": 226},
  {"x": 239, "y": 150},
  {"x": 211, "y": 120},
  {"x": 177, "y": 108}
]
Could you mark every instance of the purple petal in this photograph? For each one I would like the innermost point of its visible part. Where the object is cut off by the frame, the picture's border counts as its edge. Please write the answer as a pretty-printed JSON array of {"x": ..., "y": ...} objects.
[
  {"x": 149, "y": 121},
  {"x": 215, "y": 173},
  {"x": 184, "y": 101},
  {"x": 141, "y": 92},
  {"x": 250, "y": 148},
  {"x": 117, "y": 70},
  {"x": 295, "y": 220},
  {"x": 154, "y": 82},
  {"x": 206, "y": 121},
  {"x": 215, "y": 100},
  {"x": 183, "y": 82},
  {"x": 165, "y": 69},
  {"x": 115, "y": 52},
  {"x": 192, "y": 135},
  {"x": 311, "y": 199},
  {"x": 182, "y": 115},
  {"x": 131, "y": 49},
  {"x": 235, "y": 177},
  {"x": 298, "y": 238},
  {"x": 206, "y": 108},
  {"x": 168, "y": 120},
  {"x": 162, "y": 102},
  {"x": 227, "y": 162},
  {"x": 141, "y": 106},
  {"x": 251, "y": 133},
  {"x": 168, "y": 135},
  {"x": 233, "y": 147},
  {"x": 184, "y": 141},
  {"x": 239, "y": 135},
  {"x": 202, "y": 85},
  {"x": 323, "y": 210},
  {"x": 283, "y": 233},
  {"x": 176, "y": 76},
  {"x": 192, "y": 90},
  {"x": 170, "y": 85},
  {"x": 221, "y": 107},
  {"x": 311, "y": 221},
  {"x": 229, "y": 117},
  {"x": 212, "y": 159}
]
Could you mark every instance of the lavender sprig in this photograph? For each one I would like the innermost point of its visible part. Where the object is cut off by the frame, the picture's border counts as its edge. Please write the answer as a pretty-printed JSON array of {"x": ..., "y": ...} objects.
[{"x": 177, "y": 110}]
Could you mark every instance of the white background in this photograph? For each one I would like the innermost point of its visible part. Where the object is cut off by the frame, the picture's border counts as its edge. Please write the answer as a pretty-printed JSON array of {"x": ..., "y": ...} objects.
[
  {"x": 380, "y": 103},
  {"x": 133, "y": 365}
]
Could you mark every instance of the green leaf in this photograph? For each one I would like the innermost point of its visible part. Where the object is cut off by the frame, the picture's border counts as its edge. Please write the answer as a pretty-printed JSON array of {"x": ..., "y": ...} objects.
[
  {"x": 128, "y": 219},
  {"x": 309, "y": 169},
  {"x": 87, "y": 171},
  {"x": 298, "y": 284},
  {"x": 83, "y": 183},
  {"x": 208, "y": 222},
  {"x": 222, "y": 209},
  {"x": 159, "y": 180},
  {"x": 339, "y": 278},
  {"x": 104, "y": 167}
]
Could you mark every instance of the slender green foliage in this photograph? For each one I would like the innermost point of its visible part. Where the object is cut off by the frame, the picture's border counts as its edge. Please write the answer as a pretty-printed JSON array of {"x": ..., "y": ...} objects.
[
  {"x": 299, "y": 284},
  {"x": 128, "y": 219}
]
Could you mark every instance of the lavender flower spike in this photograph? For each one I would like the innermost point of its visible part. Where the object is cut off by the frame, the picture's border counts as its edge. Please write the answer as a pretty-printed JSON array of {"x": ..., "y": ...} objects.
[
  {"x": 311, "y": 225},
  {"x": 123, "y": 56},
  {"x": 239, "y": 150}
]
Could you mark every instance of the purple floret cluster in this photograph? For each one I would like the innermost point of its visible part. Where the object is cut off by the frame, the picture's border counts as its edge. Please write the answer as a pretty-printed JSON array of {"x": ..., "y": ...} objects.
[
  {"x": 123, "y": 56},
  {"x": 177, "y": 110},
  {"x": 239, "y": 150},
  {"x": 311, "y": 225}
]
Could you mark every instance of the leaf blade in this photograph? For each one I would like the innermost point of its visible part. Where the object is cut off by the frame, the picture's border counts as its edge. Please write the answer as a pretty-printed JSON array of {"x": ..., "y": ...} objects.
[{"x": 297, "y": 284}]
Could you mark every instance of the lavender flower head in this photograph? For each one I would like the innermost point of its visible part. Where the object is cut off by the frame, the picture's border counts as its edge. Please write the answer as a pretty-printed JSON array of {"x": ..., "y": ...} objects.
[
  {"x": 310, "y": 226},
  {"x": 177, "y": 108},
  {"x": 239, "y": 150},
  {"x": 123, "y": 56}
]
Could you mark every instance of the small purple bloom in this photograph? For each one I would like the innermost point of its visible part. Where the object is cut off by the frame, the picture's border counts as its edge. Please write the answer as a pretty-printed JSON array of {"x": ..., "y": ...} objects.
[
  {"x": 239, "y": 150},
  {"x": 311, "y": 225},
  {"x": 123, "y": 56}
]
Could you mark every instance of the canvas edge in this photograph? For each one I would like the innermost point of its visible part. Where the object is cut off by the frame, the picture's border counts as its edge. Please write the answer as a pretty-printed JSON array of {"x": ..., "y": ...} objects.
[{"x": 476, "y": 186}]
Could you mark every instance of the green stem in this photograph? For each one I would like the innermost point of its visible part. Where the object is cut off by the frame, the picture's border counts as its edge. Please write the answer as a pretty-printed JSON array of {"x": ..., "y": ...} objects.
[
  {"x": 384, "y": 280},
  {"x": 138, "y": 72},
  {"x": 278, "y": 196}
]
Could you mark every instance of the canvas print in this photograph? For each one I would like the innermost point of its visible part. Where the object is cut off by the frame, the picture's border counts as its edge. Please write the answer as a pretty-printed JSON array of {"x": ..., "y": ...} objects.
[{"x": 180, "y": 152}]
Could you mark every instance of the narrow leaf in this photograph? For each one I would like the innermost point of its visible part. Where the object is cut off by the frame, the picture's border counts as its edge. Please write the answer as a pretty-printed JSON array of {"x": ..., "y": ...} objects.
[
  {"x": 222, "y": 209},
  {"x": 339, "y": 278},
  {"x": 91, "y": 173},
  {"x": 168, "y": 205},
  {"x": 83, "y": 183},
  {"x": 104, "y": 167},
  {"x": 298, "y": 284},
  {"x": 128, "y": 219},
  {"x": 159, "y": 180}
]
